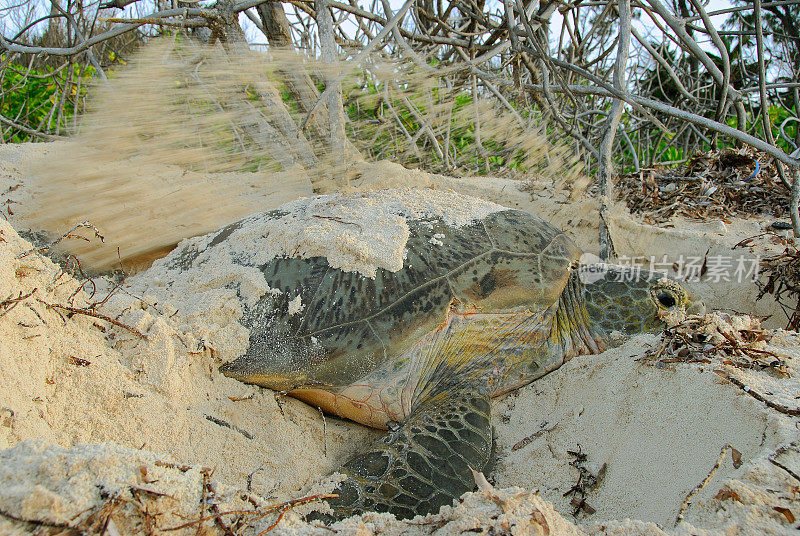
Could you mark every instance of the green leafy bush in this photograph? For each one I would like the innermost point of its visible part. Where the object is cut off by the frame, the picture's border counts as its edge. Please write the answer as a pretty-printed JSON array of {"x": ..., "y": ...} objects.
[{"x": 41, "y": 99}]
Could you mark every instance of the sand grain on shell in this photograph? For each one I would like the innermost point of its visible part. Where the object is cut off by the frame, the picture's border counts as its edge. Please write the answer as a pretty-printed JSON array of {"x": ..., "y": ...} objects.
[{"x": 356, "y": 233}]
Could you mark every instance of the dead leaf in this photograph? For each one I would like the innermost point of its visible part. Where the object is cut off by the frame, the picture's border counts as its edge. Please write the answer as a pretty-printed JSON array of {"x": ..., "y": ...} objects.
[
  {"x": 727, "y": 493},
  {"x": 786, "y": 513},
  {"x": 145, "y": 477},
  {"x": 239, "y": 399},
  {"x": 542, "y": 521},
  {"x": 587, "y": 508},
  {"x": 600, "y": 475},
  {"x": 111, "y": 528},
  {"x": 736, "y": 456},
  {"x": 704, "y": 267},
  {"x": 79, "y": 361},
  {"x": 480, "y": 481}
]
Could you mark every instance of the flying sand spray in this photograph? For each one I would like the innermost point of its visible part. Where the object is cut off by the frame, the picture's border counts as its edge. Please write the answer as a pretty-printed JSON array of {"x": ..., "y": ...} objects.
[{"x": 189, "y": 138}]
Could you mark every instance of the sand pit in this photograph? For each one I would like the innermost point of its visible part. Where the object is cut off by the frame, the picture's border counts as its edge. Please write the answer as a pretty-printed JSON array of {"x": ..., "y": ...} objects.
[{"x": 107, "y": 426}]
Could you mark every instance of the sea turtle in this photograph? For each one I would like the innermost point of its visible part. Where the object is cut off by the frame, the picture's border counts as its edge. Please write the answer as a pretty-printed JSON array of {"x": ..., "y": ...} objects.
[{"x": 484, "y": 300}]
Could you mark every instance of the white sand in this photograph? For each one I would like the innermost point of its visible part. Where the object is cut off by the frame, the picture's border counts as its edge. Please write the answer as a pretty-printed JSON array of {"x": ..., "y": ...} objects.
[
  {"x": 658, "y": 430},
  {"x": 354, "y": 233},
  {"x": 78, "y": 379},
  {"x": 70, "y": 380}
]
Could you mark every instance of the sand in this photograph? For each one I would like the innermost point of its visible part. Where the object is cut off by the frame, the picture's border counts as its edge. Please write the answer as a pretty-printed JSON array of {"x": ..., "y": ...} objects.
[{"x": 100, "y": 423}]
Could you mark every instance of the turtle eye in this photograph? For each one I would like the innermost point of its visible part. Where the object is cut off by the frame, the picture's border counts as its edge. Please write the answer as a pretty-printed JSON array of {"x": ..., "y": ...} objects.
[{"x": 666, "y": 299}]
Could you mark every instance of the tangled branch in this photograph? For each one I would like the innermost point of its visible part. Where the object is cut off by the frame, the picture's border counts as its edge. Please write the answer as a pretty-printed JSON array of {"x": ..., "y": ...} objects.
[{"x": 627, "y": 97}]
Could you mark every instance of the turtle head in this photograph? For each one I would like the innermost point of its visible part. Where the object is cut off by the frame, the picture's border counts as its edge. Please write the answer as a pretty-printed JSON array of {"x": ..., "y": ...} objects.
[{"x": 631, "y": 300}]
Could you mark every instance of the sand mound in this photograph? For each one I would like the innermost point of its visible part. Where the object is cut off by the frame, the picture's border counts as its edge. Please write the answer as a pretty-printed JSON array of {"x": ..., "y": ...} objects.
[
  {"x": 653, "y": 430},
  {"x": 110, "y": 489},
  {"x": 126, "y": 407},
  {"x": 70, "y": 377}
]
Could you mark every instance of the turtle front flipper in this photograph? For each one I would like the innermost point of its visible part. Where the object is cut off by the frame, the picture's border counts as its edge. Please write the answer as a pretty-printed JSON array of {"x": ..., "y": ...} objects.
[{"x": 424, "y": 463}]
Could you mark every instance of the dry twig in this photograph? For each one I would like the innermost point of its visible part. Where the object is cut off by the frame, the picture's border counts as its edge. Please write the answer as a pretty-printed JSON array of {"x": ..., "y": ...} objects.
[
  {"x": 68, "y": 234},
  {"x": 687, "y": 501},
  {"x": 259, "y": 513},
  {"x": 87, "y": 311}
]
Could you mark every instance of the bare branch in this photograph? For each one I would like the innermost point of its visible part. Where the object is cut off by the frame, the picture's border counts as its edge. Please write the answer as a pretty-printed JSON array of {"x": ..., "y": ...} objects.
[
  {"x": 359, "y": 58},
  {"x": 604, "y": 169},
  {"x": 119, "y": 30},
  {"x": 30, "y": 131}
]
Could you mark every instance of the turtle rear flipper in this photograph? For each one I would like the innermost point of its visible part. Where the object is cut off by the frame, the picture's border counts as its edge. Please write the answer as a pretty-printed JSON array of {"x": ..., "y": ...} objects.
[{"x": 423, "y": 464}]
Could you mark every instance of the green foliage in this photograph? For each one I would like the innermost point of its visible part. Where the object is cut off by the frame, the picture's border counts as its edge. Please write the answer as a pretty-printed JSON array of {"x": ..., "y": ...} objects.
[
  {"x": 34, "y": 98},
  {"x": 664, "y": 150},
  {"x": 382, "y": 129},
  {"x": 777, "y": 115}
]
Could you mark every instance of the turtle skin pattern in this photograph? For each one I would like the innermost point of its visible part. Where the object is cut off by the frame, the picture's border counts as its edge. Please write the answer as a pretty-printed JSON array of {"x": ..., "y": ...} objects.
[
  {"x": 352, "y": 325},
  {"x": 422, "y": 464},
  {"x": 476, "y": 310},
  {"x": 357, "y": 330}
]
